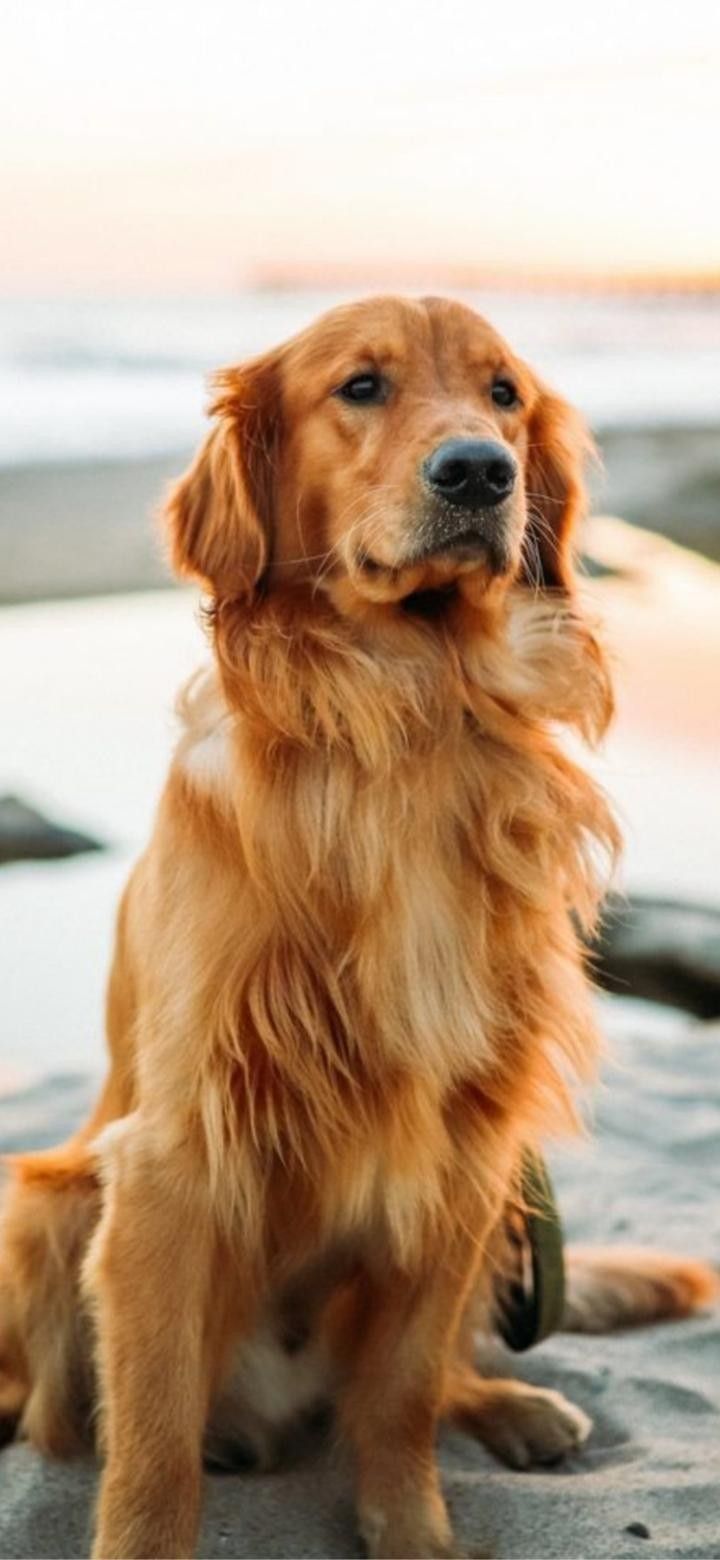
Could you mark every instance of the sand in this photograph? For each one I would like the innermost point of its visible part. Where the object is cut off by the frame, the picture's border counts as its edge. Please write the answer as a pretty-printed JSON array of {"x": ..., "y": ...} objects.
[{"x": 87, "y": 701}]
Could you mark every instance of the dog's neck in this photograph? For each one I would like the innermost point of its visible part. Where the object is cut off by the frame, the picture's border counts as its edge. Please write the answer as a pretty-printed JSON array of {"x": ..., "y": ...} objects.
[
  {"x": 395, "y": 682},
  {"x": 326, "y": 743}
]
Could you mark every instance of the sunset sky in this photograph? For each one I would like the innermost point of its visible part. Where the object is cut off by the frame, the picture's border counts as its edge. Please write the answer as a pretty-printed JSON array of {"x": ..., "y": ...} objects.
[{"x": 177, "y": 145}]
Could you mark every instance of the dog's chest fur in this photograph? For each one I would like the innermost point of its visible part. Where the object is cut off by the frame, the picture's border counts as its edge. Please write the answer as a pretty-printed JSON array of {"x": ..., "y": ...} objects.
[
  {"x": 380, "y": 901},
  {"x": 398, "y": 859}
]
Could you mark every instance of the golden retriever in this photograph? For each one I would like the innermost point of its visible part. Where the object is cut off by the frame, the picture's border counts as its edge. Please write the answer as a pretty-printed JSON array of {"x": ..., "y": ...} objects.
[{"x": 348, "y": 992}]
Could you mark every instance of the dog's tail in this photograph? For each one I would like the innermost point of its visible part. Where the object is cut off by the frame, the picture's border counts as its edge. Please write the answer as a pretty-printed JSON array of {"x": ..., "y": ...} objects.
[{"x": 609, "y": 1288}]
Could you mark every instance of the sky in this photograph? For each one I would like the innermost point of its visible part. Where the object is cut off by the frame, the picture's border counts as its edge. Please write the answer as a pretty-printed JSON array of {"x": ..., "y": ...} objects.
[{"x": 191, "y": 146}]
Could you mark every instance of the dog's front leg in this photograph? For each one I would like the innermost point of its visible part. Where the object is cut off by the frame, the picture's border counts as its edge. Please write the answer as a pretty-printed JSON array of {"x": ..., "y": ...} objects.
[
  {"x": 150, "y": 1273},
  {"x": 393, "y": 1399}
]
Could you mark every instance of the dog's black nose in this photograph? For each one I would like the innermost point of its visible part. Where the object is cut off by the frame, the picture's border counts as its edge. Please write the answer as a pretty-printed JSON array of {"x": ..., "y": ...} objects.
[{"x": 471, "y": 473}]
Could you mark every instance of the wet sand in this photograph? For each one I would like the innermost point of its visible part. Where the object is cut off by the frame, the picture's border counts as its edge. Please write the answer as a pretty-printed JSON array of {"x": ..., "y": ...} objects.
[{"x": 80, "y": 529}]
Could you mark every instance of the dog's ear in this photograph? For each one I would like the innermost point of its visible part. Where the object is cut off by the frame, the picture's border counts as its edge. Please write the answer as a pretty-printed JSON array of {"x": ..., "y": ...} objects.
[
  {"x": 560, "y": 447},
  {"x": 219, "y": 515}
]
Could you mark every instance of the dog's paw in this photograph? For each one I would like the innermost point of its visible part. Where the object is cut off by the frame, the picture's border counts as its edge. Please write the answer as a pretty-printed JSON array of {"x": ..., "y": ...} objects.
[
  {"x": 411, "y": 1531},
  {"x": 526, "y": 1426}
]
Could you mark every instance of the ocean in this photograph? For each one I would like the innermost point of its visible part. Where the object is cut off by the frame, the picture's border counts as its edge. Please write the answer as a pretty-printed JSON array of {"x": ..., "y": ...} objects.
[{"x": 84, "y": 379}]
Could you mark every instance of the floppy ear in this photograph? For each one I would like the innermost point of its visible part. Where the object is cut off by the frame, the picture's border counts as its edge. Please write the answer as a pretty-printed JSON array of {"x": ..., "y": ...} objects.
[
  {"x": 219, "y": 515},
  {"x": 560, "y": 445}
]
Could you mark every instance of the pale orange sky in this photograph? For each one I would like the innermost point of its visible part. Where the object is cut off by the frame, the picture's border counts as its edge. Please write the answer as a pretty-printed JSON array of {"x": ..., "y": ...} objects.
[{"x": 183, "y": 145}]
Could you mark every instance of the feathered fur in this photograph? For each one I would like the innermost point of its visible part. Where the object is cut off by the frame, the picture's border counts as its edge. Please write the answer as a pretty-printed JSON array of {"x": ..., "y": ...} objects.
[{"x": 348, "y": 989}]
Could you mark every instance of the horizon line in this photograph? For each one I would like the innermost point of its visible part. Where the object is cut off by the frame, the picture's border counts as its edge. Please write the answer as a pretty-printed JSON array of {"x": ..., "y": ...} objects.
[{"x": 280, "y": 277}]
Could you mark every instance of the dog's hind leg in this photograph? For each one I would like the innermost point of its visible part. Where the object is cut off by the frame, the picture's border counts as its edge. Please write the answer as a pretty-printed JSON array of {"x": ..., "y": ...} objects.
[
  {"x": 49, "y": 1211},
  {"x": 521, "y": 1425}
]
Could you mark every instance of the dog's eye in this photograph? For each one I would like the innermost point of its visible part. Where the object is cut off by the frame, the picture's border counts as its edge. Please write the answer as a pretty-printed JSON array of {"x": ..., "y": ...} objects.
[
  {"x": 365, "y": 389},
  {"x": 504, "y": 393}
]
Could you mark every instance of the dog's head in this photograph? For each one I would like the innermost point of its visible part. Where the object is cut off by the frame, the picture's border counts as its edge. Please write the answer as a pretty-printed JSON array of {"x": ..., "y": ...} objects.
[{"x": 394, "y": 448}]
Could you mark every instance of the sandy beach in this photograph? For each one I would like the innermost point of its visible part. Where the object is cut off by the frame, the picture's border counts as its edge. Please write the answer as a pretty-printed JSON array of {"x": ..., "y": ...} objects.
[{"x": 187, "y": 189}]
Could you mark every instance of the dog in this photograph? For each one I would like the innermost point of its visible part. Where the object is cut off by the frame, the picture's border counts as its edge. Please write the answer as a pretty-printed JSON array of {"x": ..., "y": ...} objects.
[{"x": 348, "y": 992}]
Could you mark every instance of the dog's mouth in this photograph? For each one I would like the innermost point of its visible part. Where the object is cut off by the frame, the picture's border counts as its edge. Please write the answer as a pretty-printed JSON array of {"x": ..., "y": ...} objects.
[
  {"x": 443, "y": 558},
  {"x": 465, "y": 551},
  {"x": 426, "y": 587},
  {"x": 466, "y": 546},
  {"x": 431, "y": 603},
  {"x": 429, "y": 577}
]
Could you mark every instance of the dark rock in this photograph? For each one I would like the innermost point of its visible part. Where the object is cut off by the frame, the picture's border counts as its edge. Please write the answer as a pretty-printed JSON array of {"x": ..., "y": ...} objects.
[
  {"x": 25, "y": 835},
  {"x": 638, "y": 1530},
  {"x": 661, "y": 949}
]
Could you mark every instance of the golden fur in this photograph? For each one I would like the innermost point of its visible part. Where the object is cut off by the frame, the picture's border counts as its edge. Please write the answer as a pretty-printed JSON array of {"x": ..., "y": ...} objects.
[{"x": 347, "y": 989}]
